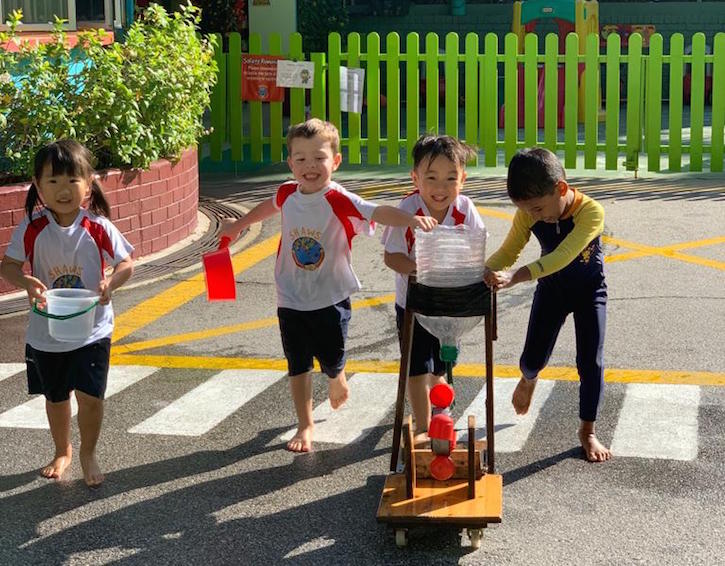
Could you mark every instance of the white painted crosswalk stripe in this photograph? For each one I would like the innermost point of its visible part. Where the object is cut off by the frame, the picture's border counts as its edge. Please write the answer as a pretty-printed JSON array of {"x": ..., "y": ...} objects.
[
  {"x": 372, "y": 396},
  {"x": 205, "y": 406},
  {"x": 658, "y": 421},
  {"x": 512, "y": 430},
  {"x": 9, "y": 370},
  {"x": 32, "y": 414}
]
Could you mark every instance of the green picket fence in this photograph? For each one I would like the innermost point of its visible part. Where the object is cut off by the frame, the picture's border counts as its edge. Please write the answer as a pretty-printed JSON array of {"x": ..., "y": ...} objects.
[{"x": 471, "y": 110}]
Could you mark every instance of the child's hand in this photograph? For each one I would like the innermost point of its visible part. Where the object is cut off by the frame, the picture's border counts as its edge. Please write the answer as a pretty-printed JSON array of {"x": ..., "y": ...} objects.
[
  {"x": 230, "y": 229},
  {"x": 425, "y": 223},
  {"x": 497, "y": 279},
  {"x": 104, "y": 292},
  {"x": 36, "y": 291}
]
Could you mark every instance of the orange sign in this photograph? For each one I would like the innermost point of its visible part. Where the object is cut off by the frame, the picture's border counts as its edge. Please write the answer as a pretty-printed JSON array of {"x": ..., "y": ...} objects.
[{"x": 259, "y": 78}]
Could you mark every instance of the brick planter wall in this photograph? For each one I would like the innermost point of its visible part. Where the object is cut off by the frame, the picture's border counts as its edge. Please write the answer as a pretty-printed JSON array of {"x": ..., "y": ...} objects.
[{"x": 154, "y": 208}]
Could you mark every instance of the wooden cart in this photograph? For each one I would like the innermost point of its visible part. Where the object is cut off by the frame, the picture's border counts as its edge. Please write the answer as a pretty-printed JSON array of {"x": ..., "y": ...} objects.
[{"x": 472, "y": 498}]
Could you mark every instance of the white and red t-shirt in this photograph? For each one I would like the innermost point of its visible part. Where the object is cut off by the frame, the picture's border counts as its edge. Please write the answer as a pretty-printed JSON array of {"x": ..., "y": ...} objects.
[
  {"x": 402, "y": 240},
  {"x": 314, "y": 259},
  {"x": 72, "y": 256}
]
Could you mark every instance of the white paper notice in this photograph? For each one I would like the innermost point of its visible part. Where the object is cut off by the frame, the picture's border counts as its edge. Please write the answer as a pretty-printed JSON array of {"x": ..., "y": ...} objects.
[
  {"x": 351, "y": 89},
  {"x": 297, "y": 74}
]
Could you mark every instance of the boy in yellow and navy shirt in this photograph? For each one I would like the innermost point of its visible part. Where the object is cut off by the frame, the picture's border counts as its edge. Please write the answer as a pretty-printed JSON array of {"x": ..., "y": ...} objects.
[{"x": 569, "y": 275}]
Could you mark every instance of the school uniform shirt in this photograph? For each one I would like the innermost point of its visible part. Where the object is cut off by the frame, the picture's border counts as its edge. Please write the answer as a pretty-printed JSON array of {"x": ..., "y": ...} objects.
[
  {"x": 571, "y": 249},
  {"x": 314, "y": 259},
  {"x": 72, "y": 256},
  {"x": 401, "y": 240}
]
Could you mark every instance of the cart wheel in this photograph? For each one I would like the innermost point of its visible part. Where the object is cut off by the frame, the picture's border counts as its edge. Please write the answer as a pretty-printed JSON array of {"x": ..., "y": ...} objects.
[
  {"x": 476, "y": 535},
  {"x": 401, "y": 537}
]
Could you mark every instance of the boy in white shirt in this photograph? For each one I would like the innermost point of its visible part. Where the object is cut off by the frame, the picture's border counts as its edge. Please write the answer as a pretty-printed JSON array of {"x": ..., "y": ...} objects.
[
  {"x": 314, "y": 272},
  {"x": 438, "y": 175}
]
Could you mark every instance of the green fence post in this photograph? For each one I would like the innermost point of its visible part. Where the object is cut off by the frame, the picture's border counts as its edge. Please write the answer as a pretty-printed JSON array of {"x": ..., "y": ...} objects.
[
  {"x": 234, "y": 95},
  {"x": 412, "y": 93},
  {"x": 334, "y": 52},
  {"x": 218, "y": 103},
  {"x": 551, "y": 91},
  {"x": 275, "y": 108},
  {"x": 372, "y": 77},
  {"x": 634, "y": 101},
  {"x": 354, "y": 120},
  {"x": 611, "y": 135},
  {"x": 488, "y": 91},
  {"x": 677, "y": 46},
  {"x": 451, "y": 80},
  {"x": 471, "y": 102},
  {"x": 697, "y": 101},
  {"x": 255, "y": 107},
  {"x": 654, "y": 102},
  {"x": 718, "y": 110},
  {"x": 296, "y": 95},
  {"x": 317, "y": 98},
  {"x": 571, "y": 100},
  {"x": 392, "y": 97},
  {"x": 431, "y": 83},
  {"x": 531, "y": 90},
  {"x": 592, "y": 91},
  {"x": 511, "y": 95}
]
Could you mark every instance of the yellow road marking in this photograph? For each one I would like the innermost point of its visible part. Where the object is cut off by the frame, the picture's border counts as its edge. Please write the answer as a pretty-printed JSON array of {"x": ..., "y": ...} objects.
[
  {"x": 641, "y": 250},
  {"x": 231, "y": 329},
  {"x": 462, "y": 370},
  {"x": 172, "y": 298}
]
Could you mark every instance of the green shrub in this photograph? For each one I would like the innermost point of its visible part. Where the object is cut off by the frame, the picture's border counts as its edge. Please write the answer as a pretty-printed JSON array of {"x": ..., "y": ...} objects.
[
  {"x": 316, "y": 19},
  {"x": 130, "y": 103}
]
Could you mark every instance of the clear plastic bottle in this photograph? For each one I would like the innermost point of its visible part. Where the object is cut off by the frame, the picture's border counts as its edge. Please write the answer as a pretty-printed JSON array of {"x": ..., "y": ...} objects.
[{"x": 449, "y": 256}]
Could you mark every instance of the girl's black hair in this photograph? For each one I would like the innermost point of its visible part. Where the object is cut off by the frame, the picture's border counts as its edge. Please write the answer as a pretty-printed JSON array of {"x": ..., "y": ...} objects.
[
  {"x": 533, "y": 173},
  {"x": 67, "y": 157}
]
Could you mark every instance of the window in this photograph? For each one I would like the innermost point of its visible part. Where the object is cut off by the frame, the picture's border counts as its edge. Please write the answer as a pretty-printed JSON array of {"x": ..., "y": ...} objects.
[{"x": 40, "y": 14}]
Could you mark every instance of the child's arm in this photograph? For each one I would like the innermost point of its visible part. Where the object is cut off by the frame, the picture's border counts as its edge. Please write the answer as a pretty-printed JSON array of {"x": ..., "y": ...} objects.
[
  {"x": 399, "y": 263},
  {"x": 12, "y": 271},
  {"x": 391, "y": 216},
  {"x": 121, "y": 273},
  {"x": 232, "y": 228}
]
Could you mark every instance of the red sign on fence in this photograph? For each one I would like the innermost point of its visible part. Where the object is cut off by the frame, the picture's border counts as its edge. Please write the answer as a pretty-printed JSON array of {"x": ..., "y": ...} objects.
[{"x": 259, "y": 78}]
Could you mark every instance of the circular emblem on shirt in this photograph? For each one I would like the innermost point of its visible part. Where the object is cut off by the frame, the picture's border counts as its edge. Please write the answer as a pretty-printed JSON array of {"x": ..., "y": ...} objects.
[
  {"x": 68, "y": 281},
  {"x": 307, "y": 253}
]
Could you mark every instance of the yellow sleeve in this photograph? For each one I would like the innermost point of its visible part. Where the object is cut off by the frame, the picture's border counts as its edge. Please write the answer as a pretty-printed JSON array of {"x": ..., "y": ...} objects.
[
  {"x": 588, "y": 224},
  {"x": 516, "y": 239}
]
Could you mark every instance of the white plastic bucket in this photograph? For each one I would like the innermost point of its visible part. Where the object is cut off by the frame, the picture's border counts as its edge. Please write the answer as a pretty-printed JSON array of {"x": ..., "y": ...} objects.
[{"x": 67, "y": 302}]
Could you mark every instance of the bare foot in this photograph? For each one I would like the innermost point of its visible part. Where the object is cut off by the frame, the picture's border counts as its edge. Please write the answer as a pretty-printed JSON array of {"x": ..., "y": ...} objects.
[
  {"x": 338, "y": 391},
  {"x": 594, "y": 450},
  {"x": 302, "y": 441},
  {"x": 57, "y": 465},
  {"x": 91, "y": 472},
  {"x": 521, "y": 398}
]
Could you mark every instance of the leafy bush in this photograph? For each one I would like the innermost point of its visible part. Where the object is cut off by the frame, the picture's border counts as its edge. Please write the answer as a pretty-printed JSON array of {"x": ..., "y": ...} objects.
[
  {"x": 130, "y": 103},
  {"x": 316, "y": 19}
]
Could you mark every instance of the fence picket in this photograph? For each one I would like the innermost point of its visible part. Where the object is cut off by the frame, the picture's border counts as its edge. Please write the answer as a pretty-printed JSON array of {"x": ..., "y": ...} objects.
[
  {"x": 677, "y": 43},
  {"x": 234, "y": 95},
  {"x": 296, "y": 95},
  {"x": 392, "y": 98},
  {"x": 412, "y": 93},
  {"x": 592, "y": 95},
  {"x": 489, "y": 100},
  {"x": 551, "y": 91},
  {"x": 718, "y": 110},
  {"x": 451, "y": 75},
  {"x": 611, "y": 132},
  {"x": 275, "y": 108},
  {"x": 531, "y": 85},
  {"x": 654, "y": 102},
  {"x": 372, "y": 78},
  {"x": 353, "y": 118},
  {"x": 431, "y": 83},
  {"x": 471, "y": 101},
  {"x": 511, "y": 96},
  {"x": 334, "y": 51},
  {"x": 634, "y": 98},
  {"x": 571, "y": 100},
  {"x": 317, "y": 98},
  {"x": 255, "y": 107},
  {"x": 697, "y": 101}
]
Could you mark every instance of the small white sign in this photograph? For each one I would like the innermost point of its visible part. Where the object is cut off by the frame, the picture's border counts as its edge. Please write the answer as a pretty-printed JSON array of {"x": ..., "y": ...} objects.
[
  {"x": 351, "y": 89},
  {"x": 295, "y": 74}
]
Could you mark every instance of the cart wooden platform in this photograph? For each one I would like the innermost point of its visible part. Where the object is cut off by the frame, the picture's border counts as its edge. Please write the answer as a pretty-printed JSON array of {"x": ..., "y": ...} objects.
[{"x": 473, "y": 497}]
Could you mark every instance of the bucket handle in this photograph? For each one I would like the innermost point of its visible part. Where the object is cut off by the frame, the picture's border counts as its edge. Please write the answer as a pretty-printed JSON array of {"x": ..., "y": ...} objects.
[{"x": 45, "y": 314}]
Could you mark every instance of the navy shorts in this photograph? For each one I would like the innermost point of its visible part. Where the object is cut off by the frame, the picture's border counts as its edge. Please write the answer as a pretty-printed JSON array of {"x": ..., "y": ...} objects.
[
  {"x": 425, "y": 353},
  {"x": 56, "y": 374},
  {"x": 320, "y": 334}
]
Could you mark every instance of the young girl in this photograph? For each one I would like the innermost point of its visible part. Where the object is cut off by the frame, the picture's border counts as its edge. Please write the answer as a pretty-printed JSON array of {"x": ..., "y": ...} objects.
[
  {"x": 439, "y": 171},
  {"x": 67, "y": 245}
]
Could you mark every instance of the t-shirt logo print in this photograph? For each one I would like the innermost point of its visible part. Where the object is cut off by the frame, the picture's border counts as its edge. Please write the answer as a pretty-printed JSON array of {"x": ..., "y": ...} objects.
[{"x": 307, "y": 253}]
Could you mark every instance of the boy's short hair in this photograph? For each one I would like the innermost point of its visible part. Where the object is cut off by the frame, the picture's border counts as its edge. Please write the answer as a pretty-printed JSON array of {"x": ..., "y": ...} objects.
[
  {"x": 314, "y": 127},
  {"x": 431, "y": 146},
  {"x": 533, "y": 173}
]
